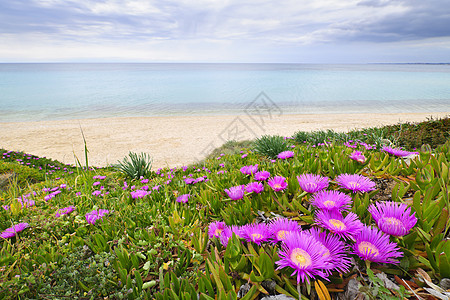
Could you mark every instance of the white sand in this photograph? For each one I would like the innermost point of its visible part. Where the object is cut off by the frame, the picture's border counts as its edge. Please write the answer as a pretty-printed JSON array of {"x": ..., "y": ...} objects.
[{"x": 172, "y": 141}]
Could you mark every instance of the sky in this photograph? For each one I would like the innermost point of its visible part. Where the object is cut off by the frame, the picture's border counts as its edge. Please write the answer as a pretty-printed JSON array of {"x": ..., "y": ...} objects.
[{"x": 282, "y": 31}]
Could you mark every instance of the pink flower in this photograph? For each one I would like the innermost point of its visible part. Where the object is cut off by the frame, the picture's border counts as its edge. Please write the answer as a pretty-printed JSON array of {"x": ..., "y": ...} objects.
[
  {"x": 183, "y": 198},
  {"x": 336, "y": 223},
  {"x": 12, "y": 231},
  {"x": 398, "y": 152},
  {"x": 256, "y": 187},
  {"x": 393, "y": 218},
  {"x": 355, "y": 183},
  {"x": 256, "y": 233},
  {"x": 277, "y": 183},
  {"x": 64, "y": 211},
  {"x": 312, "y": 183},
  {"x": 236, "y": 192},
  {"x": 331, "y": 200},
  {"x": 285, "y": 154},
  {"x": 261, "y": 175},
  {"x": 373, "y": 245},
  {"x": 358, "y": 156},
  {"x": 249, "y": 170},
  {"x": 94, "y": 215}
]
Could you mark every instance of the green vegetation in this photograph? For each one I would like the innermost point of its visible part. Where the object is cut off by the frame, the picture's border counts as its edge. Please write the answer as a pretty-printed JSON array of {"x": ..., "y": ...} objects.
[
  {"x": 150, "y": 246},
  {"x": 135, "y": 165},
  {"x": 271, "y": 145}
]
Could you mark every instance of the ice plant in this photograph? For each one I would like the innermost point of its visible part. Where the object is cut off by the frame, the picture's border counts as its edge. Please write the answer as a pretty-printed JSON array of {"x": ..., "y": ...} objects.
[
  {"x": 393, "y": 218},
  {"x": 397, "y": 152},
  {"x": 304, "y": 254},
  {"x": 12, "y": 231},
  {"x": 261, "y": 175},
  {"x": 358, "y": 156},
  {"x": 236, "y": 192},
  {"x": 64, "y": 211},
  {"x": 183, "y": 198},
  {"x": 285, "y": 154},
  {"x": 374, "y": 246},
  {"x": 256, "y": 187},
  {"x": 336, "y": 250},
  {"x": 277, "y": 183},
  {"x": 93, "y": 216},
  {"x": 355, "y": 183},
  {"x": 215, "y": 229},
  {"x": 256, "y": 233},
  {"x": 312, "y": 183},
  {"x": 280, "y": 227},
  {"x": 249, "y": 170},
  {"x": 331, "y": 200},
  {"x": 335, "y": 222}
]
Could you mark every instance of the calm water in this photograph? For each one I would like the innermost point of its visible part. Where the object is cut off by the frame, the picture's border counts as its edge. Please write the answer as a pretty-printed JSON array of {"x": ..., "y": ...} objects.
[{"x": 30, "y": 92}]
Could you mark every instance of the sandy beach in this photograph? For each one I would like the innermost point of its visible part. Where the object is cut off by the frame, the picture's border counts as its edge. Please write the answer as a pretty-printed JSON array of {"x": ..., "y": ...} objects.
[{"x": 172, "y": 141}]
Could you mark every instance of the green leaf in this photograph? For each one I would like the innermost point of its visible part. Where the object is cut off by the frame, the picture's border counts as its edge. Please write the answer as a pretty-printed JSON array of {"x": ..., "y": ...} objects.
[
  {"x": 139, "y": 282},
  {"x": 265, "y": 265},
  {"x": 444, "y": 265}
]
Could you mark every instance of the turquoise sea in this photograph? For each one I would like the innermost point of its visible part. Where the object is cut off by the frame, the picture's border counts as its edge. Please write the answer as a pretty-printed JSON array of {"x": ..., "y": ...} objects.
[{"x": 56, "y": 91}]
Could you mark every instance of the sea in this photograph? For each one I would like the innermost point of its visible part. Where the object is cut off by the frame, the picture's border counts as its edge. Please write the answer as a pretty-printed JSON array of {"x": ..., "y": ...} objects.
[{"x": 61, "y": 91}]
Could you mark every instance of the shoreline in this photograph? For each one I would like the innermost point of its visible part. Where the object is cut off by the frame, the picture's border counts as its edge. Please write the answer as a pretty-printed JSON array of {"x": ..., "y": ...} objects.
[{"x": 174, "y": 140}]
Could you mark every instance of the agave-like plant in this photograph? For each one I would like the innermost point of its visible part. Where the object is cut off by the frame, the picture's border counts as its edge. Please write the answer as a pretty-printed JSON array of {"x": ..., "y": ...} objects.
[
  {"x": 271, "y": 145},
  {"x": 135, "y": 165}
]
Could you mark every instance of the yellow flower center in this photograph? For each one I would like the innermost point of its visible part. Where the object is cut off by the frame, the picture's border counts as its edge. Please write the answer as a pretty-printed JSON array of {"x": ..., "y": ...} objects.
[
  {"x": 281, "y": 234},
  {"x": 329, "y": 203},
  {"x": 277, "y": 185},
  {"x": 354, "y": 184},
  {"x": 337, "y": 224},
  {"x": 300, "y": 257},
  {"x": 311, "y": 185},
  {"x": 218, "y": 232},
  {"x": 256, "y": 236},
  {"x": 367, "y": 248},
  {"x": 393, "y": 221}
]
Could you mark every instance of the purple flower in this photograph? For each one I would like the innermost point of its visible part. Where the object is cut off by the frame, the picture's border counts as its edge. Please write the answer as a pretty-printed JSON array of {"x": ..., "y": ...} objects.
[
  {"x": 312, "y": 183},
  {"x": 183, "y": 198},
  {"x": 331, "y": 200},
  {"x": 11, "y": 231},
  {"x": 64, "y": 211},
  {"x": 355, "y": 183},
  {"x": 93, "y": 216},
  {"x": 261, "y": 175},
  {"x": 285, "y": 154},
  {"x": 189, "y": 180},
  {"x": 236, "y": 192},
  {"x": 277, "y": 183},
  {"x": 96, "y": 183},
  {"x": 139, "y": 194},
  {"x": 336, "y": 250},
  {"x": 397, "y": 152},
  {"x": 96, "y": 193},
  {"x": 256, "y": 233},
  {"x": 358, "y": 156},
  {"x": 393, "y": 218},
  {"x": 304, "y": 254},
  {"x": 249, "y": 170},
  {"x": 256, "y": 187},
  {"x": 373, "y": 245},
  {"x": 281, "y": 226},
  {"x": 215, "y": 229},
  {"x": 336, "y": 223}
]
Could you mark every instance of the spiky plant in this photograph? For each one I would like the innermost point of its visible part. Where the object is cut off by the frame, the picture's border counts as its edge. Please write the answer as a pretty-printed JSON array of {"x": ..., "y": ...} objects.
[
  {"x": 271, "y": 145},
  {"x": 135, "y": 165}
]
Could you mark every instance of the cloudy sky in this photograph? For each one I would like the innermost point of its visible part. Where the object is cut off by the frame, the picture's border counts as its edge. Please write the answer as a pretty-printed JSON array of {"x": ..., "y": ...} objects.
[{"x": 303, "y": 31}]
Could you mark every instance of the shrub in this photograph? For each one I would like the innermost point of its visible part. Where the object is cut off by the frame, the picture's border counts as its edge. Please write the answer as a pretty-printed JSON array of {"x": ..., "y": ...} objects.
[
  {"x": 135, "y": 165},
  {"x": 270, "y": 145}
]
